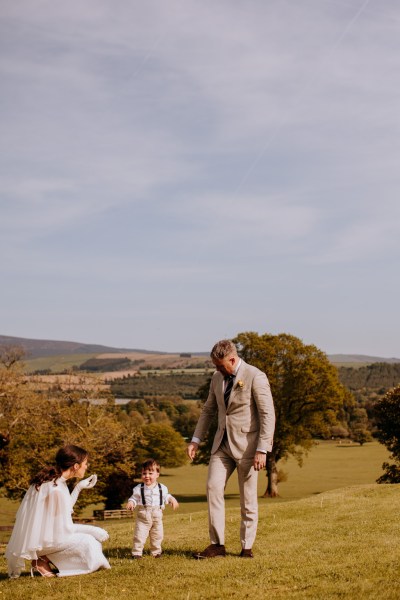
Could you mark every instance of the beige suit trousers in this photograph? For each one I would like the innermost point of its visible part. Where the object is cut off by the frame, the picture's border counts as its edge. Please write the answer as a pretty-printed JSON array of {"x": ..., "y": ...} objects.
[
  {"x": 149, "y": 523},
  {"x": 222, "y": 464}
]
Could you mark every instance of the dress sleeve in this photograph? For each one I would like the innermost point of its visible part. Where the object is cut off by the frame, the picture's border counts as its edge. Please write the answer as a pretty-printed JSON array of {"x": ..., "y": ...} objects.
[{"x": 43, "y": 521}]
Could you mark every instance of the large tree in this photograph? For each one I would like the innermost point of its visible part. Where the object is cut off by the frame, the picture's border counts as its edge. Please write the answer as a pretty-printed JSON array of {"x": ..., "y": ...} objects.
[
  {"x": 308, "y": 396},
  {"x": 387, "y": 414}
]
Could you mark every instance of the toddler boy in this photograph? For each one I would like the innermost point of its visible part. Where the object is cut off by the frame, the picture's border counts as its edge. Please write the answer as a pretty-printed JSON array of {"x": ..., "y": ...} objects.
[{"x": 150, "y": 497}]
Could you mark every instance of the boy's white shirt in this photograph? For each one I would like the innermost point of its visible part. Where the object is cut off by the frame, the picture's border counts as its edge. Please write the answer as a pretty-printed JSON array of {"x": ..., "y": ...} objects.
[{"x": 151, "y": 495}]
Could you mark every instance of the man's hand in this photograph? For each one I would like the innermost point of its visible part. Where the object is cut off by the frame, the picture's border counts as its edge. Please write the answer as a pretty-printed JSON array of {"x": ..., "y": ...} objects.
[
  {"x": 260, "y": 460},
  {"x": 130, "y": 506},
  {"x": 191, "y": 450}
]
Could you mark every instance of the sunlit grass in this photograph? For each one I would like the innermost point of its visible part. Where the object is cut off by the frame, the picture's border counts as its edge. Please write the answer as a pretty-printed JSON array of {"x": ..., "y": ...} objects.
[
  {"x": 58, "y": 363},
  {"x": 339, "y": 544}
]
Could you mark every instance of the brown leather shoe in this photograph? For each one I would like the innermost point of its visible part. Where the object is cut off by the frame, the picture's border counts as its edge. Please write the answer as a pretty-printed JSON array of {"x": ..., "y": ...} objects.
[
  {"x": 246, "y": 553},
  {"x": 212, "y": 551}
]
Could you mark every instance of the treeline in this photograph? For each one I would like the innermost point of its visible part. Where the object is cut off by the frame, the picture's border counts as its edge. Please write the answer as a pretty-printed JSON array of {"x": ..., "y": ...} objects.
[
  {"x": 368, "y": 385},
  {"x": 179, "y": 384},
  {"x": 379, "y": 377},
  {"x": 102, "y": 365}
]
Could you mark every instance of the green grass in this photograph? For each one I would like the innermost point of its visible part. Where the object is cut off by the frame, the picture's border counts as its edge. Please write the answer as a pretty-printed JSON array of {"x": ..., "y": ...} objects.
[
  {"x": 57, "y": 364},
  {"x": 333, "y": 533},
  {"x": 340, "y": 544},
  {"x": 328, "y": 466}
]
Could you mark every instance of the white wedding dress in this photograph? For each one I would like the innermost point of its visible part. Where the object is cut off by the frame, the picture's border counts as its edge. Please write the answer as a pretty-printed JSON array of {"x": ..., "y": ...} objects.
[{"x": 44, "y": 526}]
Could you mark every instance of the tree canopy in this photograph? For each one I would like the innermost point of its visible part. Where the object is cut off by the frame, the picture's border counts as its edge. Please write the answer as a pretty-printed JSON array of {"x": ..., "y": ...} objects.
[
  {"x": 308, "y": 396},
  {"x": 387, "y": 414},
  {"x": 35, "y": 421},
  {"x": 34, "y": 424},
  {"x": 163, "y": 443}
]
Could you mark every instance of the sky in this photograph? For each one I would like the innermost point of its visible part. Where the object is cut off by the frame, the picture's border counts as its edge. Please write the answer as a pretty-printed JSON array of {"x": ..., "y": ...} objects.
[{"x": 174, "y": 172}]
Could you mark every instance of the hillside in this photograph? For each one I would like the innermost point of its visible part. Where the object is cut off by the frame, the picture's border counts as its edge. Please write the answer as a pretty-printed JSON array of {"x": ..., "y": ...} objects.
[
  {"x": 374, "y": 377},
  {"x": 362, "y": 359},
  {"x": 42, "y": 348}
]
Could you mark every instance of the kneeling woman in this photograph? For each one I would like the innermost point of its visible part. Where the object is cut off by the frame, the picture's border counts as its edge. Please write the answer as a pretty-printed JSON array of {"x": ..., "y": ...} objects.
[{"x": 44, "y": 532}]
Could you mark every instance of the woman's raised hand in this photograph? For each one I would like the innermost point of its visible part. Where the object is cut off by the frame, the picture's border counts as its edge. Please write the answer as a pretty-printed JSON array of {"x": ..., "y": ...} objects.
[{"x": 88, "y": 483}]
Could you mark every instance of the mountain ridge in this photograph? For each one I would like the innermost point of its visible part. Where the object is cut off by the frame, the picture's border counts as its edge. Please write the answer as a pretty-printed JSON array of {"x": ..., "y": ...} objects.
[{"x": 37, "y": 348}]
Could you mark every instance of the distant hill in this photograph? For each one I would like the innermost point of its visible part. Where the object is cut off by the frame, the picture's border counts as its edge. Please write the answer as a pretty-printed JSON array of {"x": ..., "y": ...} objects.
[
  {"x": 42, "y": 348},
  {"x": 360, "y": 358},
  {"x": 378, "y": 377}
]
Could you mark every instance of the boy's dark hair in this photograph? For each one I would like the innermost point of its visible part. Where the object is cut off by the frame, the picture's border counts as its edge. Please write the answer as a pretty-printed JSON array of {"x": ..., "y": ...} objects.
[{"x": 150, "y": 464}]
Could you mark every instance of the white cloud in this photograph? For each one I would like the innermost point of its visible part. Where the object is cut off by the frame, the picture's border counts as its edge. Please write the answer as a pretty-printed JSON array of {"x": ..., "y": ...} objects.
[{"x": 143, "y": 130}]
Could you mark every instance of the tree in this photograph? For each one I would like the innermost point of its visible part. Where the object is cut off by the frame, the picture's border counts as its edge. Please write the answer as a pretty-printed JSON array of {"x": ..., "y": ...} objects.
[
  {"x": 306, "y": 390},
  {"x": 161, "y": 442},
  {"x": 387, "y": 414},
  {"x": 359, "y": 424},
  {"x": 10, "y": 355},
  {"x": 34, "y": 424}
]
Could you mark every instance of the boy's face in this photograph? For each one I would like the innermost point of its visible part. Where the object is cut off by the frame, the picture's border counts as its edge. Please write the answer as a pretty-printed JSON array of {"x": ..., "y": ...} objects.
[{"x": 150, "y": 476}]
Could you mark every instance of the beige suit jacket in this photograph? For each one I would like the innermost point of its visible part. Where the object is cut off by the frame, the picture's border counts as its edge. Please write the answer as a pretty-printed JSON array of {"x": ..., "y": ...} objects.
[{"x": 249, "y": 418}]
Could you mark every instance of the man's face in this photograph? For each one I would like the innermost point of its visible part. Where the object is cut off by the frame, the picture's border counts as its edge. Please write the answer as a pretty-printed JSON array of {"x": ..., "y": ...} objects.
[{"x": 226, "y": 365}]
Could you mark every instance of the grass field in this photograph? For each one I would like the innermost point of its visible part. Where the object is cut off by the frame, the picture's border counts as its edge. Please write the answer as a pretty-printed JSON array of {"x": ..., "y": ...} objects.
[
  {"x": 328, "y": 466},
  {"x": 341, "y": 539},
  {"x": 56, "y": 364},
  {"x": 340, "y": 544},
  {"x": 59, "y": 363}
]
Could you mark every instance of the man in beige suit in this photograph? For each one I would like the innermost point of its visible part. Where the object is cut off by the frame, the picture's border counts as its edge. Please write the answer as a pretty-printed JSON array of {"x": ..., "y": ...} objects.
[{"x": 241, "y": 396}]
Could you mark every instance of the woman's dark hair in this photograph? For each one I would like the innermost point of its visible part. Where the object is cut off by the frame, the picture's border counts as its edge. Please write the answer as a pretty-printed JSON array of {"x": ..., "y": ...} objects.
[{"x": 66, "y": 458}]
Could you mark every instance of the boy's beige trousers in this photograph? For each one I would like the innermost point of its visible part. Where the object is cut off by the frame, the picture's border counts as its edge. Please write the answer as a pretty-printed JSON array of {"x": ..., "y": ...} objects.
[{"x": 149, "y": 523}]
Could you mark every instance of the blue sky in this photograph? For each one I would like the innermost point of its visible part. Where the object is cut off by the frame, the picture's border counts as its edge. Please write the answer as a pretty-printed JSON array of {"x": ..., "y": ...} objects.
[{"x": 176, "y": 172}]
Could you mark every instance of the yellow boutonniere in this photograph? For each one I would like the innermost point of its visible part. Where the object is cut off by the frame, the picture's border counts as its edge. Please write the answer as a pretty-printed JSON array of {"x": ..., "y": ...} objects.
[{"x": 240, "y": 384}]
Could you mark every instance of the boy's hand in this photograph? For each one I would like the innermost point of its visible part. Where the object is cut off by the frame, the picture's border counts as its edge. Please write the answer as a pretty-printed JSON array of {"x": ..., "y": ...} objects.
[
  {"x": 130, "y": 506},
  {"x": 174, "y": 503}
]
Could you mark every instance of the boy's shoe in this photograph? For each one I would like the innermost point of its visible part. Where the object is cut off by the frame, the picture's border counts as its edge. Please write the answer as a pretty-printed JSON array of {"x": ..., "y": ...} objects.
[
  {"x": 212, "y": 551},
  {"x": 137, "y": 556},
  {"x": 157, "y": 555}
]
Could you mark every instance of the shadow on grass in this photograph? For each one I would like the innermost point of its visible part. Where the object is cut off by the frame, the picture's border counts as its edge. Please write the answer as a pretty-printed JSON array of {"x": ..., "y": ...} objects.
[
  {"x": 125, "y": 552},
  {"x": 351, "y": 445},
  {"x": 201, "y": 497},
  {"x": 120, "y": 552}
]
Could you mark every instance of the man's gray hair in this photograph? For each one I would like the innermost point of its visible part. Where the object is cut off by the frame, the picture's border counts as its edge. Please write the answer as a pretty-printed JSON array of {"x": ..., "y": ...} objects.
[{"x": 222, "y": 349}]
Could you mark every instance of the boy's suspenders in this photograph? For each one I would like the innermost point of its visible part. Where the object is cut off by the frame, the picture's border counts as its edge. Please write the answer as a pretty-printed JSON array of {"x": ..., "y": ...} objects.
[{"x": 142, "y": 493}]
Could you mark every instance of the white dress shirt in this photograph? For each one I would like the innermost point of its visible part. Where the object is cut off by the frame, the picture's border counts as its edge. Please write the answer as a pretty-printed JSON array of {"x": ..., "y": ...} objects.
[{"x": 151, "y": 495}]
